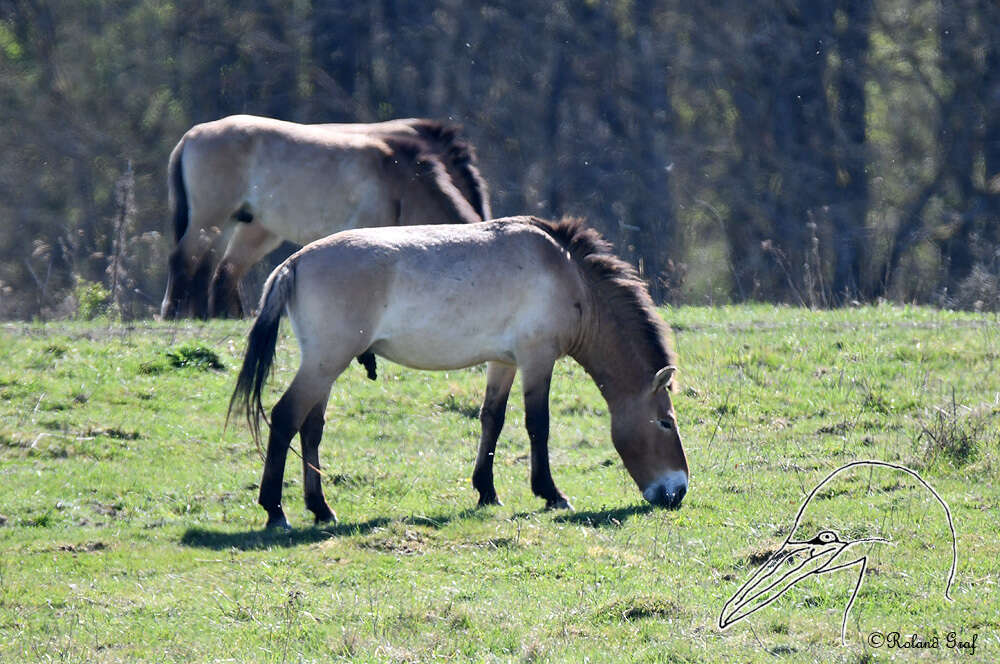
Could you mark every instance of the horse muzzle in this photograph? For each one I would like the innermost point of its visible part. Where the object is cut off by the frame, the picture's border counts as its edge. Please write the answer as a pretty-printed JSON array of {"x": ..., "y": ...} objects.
[{"x": 667, "y": 491}]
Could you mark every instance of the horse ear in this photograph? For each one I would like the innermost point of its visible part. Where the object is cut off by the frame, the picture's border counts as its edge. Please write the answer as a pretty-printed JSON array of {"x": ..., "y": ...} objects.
[{"x": 664, "y": 377}]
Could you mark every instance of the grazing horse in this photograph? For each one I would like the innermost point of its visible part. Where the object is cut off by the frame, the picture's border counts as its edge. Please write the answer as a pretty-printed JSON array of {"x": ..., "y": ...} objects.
[
  {"x": 517, "y": 293},
  {"x": 253, "y": 182}
]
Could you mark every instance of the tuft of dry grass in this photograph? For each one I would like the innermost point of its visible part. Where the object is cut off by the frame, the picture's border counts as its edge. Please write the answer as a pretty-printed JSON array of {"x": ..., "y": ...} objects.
[{"x": 954, "y": 433}]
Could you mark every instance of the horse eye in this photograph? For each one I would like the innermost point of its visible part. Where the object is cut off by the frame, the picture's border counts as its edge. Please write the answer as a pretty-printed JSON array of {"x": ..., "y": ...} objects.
[{"x": 666, "y": 424}]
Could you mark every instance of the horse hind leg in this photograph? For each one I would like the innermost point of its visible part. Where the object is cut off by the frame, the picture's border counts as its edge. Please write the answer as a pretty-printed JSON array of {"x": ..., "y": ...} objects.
[
  {"x": 499, "y": 378},
  {"x": 311, "y": 435},
  {"x": 185, "y": 268},
  {"x": 283, "y": 428},
  {"x": 198, "y": 300},
  {"x": 177, "y": 285},
  {"x": 295, "y": 412},
  {"x": 190, "y": 266}
]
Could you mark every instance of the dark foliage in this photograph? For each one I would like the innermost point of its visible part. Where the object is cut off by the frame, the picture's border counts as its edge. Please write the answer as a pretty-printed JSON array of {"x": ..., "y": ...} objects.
[{"x": 797, "y": 151}]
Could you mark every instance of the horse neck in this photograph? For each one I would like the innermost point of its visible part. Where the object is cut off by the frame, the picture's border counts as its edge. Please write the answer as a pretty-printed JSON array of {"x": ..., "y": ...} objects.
[{"x": 615, "y": 364}]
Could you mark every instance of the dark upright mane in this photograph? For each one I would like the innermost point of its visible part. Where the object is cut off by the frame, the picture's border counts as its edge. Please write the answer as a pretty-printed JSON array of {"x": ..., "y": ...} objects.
[
  {"x": 618, "y": 286},
  {"x": 428, "y": 163},
  {"x": 457, "y": 153}
]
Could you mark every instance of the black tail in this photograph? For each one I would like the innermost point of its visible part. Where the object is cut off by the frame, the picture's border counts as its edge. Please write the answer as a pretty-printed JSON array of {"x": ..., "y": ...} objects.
[
  {"x": 459, "y": 158},
  {"x": 177, "y": 192},
  {"x": 259, "y": 355}
]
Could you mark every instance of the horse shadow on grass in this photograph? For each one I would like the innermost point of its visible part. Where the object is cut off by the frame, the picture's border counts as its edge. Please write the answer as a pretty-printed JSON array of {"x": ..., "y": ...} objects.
[
  {"x": 606, "y": 518},
  {"x": 253, "y": 540}
]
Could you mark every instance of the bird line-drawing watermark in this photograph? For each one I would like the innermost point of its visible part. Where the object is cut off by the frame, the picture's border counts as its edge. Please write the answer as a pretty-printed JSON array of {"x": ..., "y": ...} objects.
[{"x": 799, "y": 559}]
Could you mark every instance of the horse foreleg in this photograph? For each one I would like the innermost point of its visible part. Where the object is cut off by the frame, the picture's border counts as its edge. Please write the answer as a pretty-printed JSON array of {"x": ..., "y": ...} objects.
[
  {"x": 536, "y": 418},
  {"x": 499, "y": 378},
  {"x": 311, "y": 435}
]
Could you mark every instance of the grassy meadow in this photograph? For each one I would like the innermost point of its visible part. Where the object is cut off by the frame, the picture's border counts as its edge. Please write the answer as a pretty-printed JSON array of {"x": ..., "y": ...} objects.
[{"x": 130, "y": 530}]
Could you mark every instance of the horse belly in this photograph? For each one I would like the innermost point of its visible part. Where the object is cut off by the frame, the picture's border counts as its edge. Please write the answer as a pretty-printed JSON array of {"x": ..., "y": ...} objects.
[{"x": 456, "y": 345}]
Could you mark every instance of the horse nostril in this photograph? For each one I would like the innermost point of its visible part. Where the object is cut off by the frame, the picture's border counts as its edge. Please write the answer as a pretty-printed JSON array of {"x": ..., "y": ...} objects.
[
  {"x": 678, "y": 496},
  {"x": 671, "y": 499}
]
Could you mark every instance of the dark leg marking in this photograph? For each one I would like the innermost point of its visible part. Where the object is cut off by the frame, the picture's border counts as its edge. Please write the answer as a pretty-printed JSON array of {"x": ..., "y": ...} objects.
[
  {"x": 224, "y": 301},
  {"x": 282, "y": 431},
  {"x": 536, "y": 417},
  {"x": 179, "y": 284},
  {"x": 200, "y": 283},
  {"x": 491, "y": 417},
  {"x": 311, "y": 434}
]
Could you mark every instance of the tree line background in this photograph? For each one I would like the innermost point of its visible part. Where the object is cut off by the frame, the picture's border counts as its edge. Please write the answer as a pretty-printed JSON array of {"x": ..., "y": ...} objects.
[{"x": 814, "y": 152}]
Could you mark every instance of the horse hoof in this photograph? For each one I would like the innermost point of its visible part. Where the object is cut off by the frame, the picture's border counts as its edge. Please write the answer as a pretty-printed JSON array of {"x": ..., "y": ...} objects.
[
  {"x": 492, "y": 500},
  {"x": 278, "y": 523},
  {"x": 329, "y": 518},
  {"x": 558, "y": 504}
]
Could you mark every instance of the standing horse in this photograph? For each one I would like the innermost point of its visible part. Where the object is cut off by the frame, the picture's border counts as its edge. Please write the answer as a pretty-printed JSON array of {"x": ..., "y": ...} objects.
[
  {"x": 517, "y": 293},
  {"x": 253, "y": 182}
]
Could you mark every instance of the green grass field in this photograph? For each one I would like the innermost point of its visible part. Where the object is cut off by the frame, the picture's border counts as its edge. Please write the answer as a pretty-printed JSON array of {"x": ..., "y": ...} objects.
[{"x": 130, "y": 530}]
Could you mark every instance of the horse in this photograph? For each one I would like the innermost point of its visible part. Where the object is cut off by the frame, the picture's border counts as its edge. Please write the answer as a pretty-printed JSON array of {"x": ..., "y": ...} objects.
[
  {"x": 515, "y": 293},
  {"x": 250, "y": 182}
]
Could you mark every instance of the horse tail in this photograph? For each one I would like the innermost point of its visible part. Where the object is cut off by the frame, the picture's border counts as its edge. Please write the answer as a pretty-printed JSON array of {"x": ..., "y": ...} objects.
[
  {"x": 261, "y": 343},
  {"x": 177, "y": 191},
  {"x": 459, "y": 158}
]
